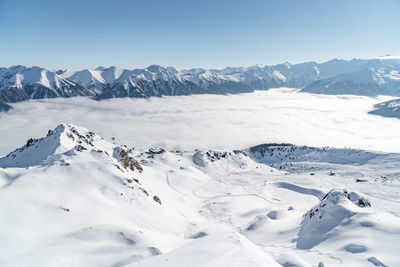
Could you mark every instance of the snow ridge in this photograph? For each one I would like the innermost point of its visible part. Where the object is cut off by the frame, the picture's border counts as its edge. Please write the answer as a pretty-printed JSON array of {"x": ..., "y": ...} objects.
[{"x": 64, "y": 139}]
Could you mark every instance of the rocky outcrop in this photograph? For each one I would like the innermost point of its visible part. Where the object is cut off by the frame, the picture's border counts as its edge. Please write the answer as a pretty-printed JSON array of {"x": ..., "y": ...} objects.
[{"x": 129, "y": 162}]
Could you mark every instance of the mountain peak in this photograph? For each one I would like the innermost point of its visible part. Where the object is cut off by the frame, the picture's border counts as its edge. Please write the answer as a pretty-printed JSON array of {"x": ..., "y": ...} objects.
[
  {"x": 62, "y": 140},
  {"x": 101, "y": 68},
  {"x": 172, "y": 69},
  {"x": 335, "y": 207},
  {"x": 155, "y": 68}
]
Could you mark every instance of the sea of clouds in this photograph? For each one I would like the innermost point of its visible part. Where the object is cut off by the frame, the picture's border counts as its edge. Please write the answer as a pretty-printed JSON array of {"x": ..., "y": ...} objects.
[{"x": 211, "y": 121}]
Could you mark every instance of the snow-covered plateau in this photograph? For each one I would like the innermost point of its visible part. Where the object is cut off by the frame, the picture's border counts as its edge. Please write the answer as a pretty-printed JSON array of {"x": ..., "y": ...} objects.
[{"x": 269, "y": 178}]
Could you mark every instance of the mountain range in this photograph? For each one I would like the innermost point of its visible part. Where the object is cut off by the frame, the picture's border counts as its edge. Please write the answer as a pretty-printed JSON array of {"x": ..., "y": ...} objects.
[{"x": 358, "y": 76}]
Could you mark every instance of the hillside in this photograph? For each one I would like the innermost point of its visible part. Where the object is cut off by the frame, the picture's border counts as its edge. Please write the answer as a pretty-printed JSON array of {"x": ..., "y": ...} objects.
[{"x": 73, "y": 198}]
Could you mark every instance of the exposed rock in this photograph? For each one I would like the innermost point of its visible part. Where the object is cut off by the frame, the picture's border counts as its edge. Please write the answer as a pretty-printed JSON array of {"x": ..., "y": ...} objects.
[
  {"x": 129, "y": 162},
  {"x": 157, "y": 199},
  {"x": 80, "y": 148}
]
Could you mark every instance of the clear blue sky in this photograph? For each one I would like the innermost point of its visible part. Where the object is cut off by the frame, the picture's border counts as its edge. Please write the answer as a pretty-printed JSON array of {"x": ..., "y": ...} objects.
[{"x": 203, "y": 33}]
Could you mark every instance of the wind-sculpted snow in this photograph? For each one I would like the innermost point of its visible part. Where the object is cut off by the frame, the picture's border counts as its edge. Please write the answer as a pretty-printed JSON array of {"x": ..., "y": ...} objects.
[
  {"x": 368, "y": 77},
  {"x": 72, "y": 198}
]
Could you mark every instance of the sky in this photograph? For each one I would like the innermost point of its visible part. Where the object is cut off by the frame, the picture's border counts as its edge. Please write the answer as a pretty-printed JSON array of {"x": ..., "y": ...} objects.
[{"x": 211, "y": 34}]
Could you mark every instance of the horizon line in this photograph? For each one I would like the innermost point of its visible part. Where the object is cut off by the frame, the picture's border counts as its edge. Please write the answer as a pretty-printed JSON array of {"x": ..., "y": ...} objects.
[{"x": 383, "y": 57}]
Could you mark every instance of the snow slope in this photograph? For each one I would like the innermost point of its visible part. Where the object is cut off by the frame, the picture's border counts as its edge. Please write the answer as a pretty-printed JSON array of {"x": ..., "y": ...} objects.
[
  {"x": 88, "y": 78},
  {"x": 73, "y": 198},
  {"x": 79, "y": 203}
]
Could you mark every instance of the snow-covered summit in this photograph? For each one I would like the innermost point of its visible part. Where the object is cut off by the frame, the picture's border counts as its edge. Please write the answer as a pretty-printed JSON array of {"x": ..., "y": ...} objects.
[
  {"x": 77, "y": 188},
  {"x": 64, "y": 139},
  {"x": 88, "y": 78},
  {"x": 364, "y": 77},
  {"x": 19, "y": 83},
  {"x": 335, "y": 207}
]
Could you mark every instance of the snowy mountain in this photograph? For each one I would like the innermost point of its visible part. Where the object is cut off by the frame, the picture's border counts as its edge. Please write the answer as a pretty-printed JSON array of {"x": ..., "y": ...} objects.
[
  {"x": 387, "y": 109},
  {"x": 91, "y": 79},
  {"x": 335, "y": 207},
  {"x": 373, "y": 78},
  {"x": 357, "y": 76},
  {"x": 20, "y": 83},
  {"x": 72, "y": 198},
  {"x": 151, "y": 81}
]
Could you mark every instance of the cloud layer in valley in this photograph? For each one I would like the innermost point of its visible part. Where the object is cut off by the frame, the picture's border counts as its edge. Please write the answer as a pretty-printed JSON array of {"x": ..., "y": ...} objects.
[{"x": 211, "y": 121}]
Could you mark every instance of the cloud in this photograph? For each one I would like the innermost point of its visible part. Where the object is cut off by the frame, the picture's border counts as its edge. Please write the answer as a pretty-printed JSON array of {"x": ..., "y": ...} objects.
[{"x": 211, "y": 121}]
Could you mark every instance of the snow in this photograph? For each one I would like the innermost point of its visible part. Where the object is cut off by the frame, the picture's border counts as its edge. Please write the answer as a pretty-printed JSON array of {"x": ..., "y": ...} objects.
[
  {"x": 34, "y": 75},
  {"x": 231, "y": 250},
  {"x": 189, "y": 188},
  {"x": 86, "y": 77},
  {"x": 113, "y": 74},
  {"x": 367, "y": 75},
  {"x": 59, "y": 141},
  {"x": 332, "y": 211},
  {"x": 84, "y": 199},
  {"x": 279, "y": 76}
]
